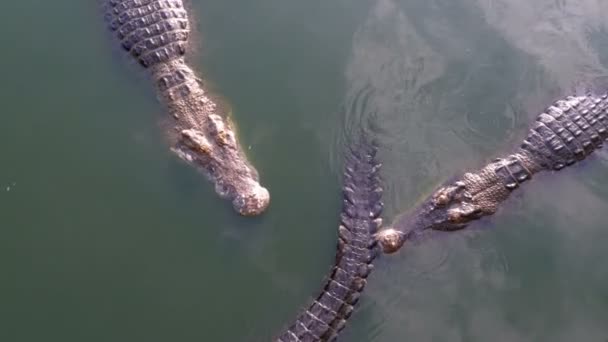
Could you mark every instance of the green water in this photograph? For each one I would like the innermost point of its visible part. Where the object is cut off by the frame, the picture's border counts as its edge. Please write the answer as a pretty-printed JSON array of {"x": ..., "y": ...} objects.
[{"x": 105, "y": 236}]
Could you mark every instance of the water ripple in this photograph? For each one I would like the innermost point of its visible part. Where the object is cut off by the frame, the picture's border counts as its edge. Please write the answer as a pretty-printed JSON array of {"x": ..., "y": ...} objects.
[{"x": 444, "y": 86}]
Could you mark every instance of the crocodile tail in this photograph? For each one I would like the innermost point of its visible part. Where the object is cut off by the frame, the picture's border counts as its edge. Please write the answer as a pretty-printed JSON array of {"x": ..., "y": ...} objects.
[{"x": 326, "y": 316}]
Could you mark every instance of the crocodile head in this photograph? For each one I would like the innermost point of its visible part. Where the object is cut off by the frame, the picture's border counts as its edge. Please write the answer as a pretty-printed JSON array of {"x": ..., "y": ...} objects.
[
  {"x": 222, "y": 162},
  {"x": 449, "y": 208}
]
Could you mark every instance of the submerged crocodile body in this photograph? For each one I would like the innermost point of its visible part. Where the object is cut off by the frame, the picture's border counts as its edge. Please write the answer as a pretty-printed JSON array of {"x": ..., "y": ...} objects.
[
  {"x": 359, "y": 222},
  {"x": 155, "y": 33},
  {"x": 567, "y": 132}
]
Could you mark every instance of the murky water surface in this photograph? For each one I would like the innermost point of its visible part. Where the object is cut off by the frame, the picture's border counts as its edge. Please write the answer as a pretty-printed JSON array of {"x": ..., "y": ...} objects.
[{"x": 105, "y": 236}]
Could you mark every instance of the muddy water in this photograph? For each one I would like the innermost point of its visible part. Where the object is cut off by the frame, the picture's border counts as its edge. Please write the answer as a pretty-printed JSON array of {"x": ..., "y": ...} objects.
[{"x": 105, "y": 236}]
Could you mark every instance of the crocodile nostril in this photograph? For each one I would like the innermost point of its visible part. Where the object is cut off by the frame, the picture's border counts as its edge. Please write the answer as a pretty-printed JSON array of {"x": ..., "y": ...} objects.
[{"x": 391, "y": 240}]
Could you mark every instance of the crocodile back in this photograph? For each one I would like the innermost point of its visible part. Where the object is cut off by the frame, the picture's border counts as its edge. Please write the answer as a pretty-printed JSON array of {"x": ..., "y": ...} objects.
[
  {"x": 152, "y": 31},
  {"x": 568, "y": 131},
  {"x": 326, "y": 316}
]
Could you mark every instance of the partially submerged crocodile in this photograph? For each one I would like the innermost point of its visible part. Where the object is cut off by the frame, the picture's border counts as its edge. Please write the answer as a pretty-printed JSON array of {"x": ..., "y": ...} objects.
[
  {"x": 567, "y": 132},
  {"x": 359, "y": 221},
  {"x": 155, "y": 32}
]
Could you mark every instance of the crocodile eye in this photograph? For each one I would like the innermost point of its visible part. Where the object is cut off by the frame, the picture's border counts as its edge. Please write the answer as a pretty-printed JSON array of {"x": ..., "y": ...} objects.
[
  {"x": 442, "y": 197},
  {"x": 464, "y": 213},
  {"x": 455, "y": 215},
  {"x": 447, "y": 194}
]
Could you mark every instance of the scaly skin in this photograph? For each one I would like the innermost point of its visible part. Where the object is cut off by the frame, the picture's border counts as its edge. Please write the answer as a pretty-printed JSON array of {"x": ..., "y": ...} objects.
[
  {"x": 156, "y": 32},
  {"x": 566, "y": 133},
  {"x": 327, "y": 315}
]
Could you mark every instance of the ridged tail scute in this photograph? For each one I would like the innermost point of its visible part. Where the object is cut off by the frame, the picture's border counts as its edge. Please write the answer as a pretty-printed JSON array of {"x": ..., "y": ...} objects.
[
  {"x": 568, "y": 131},
  {"x": 153, "y": 31},
  {"x": 326, "y": 316}
]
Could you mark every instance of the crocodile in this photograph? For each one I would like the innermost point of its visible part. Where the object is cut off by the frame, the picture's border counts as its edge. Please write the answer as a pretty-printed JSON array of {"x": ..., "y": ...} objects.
[
  {"x": 567, "y": 132},
  {"x": 155, "y": 33},
  {"x": 360, "y": 220}
]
